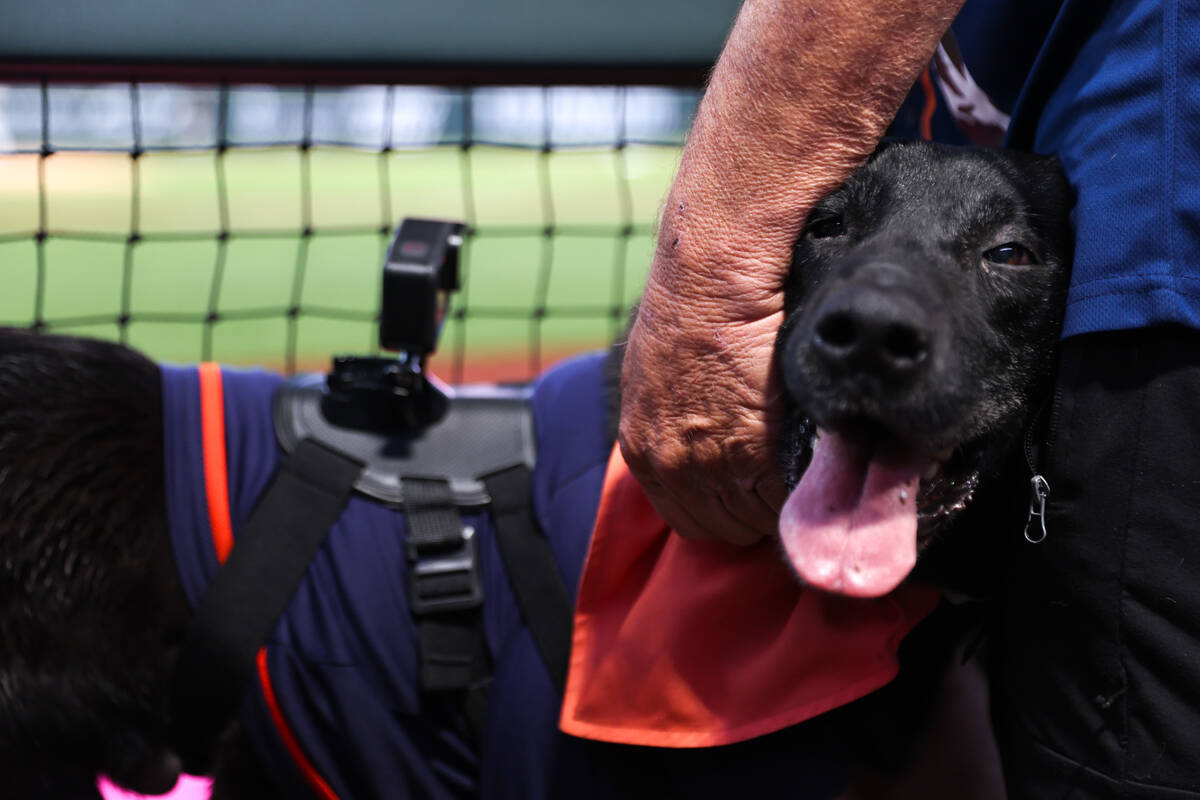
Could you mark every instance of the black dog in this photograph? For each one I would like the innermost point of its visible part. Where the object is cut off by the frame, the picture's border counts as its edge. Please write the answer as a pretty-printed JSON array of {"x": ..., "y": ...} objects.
[
  {"x": 923, "y": 311},
  {"x": 924, "y": 302}
]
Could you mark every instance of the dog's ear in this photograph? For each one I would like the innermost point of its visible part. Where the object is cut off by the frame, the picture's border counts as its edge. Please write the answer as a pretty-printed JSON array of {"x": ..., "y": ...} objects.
[
  {"x": 1042, "y": 180},
  {"x": 887, "y": 143},
  {"x": 1044, "y": 187}
]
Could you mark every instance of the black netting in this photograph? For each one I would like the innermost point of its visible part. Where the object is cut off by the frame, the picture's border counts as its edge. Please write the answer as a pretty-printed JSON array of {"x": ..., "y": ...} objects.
[{"x": 247, "y": 224}]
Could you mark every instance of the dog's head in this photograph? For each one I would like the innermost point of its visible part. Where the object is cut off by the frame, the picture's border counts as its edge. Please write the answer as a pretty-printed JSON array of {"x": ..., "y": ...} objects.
[{"x": 924, "y": 306}]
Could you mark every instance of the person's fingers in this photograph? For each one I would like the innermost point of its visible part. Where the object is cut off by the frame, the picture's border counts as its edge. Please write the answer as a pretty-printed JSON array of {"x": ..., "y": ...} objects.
[
  {"x": 706, "y": 499},
  {"x": 747, "y": 505},
  {"x": 705, "y": 504},
  {"x": 771, "y": 489},
  {"x": 701, "y": 484},
  {"x": 702, "y": 519}
]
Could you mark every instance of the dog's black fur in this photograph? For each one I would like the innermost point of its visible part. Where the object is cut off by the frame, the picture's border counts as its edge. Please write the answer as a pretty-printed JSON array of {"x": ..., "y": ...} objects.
[
  {"x": 91, "y": 611},
  {"x": 90, "y": 606}
]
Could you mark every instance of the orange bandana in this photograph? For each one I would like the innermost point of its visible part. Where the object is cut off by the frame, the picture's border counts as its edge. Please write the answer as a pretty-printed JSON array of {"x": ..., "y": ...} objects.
[{"x": 680, "y": 643}]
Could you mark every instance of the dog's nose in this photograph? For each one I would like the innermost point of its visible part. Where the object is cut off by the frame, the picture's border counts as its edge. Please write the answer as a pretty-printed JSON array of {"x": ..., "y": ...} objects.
[{"x": 871, "y": 330}]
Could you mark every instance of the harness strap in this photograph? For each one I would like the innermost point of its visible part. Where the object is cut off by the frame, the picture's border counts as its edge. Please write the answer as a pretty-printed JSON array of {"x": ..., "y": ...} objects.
[
  {"x": 291, "y": 520},
  {"x": 445, "y": 590},
  {"x": 446, "y": 595},
  {"x": 541, "y": 594},
  {"x": 433, "y": 520}
]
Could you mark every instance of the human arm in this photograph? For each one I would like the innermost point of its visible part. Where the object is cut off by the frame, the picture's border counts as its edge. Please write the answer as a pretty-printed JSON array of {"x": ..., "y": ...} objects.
[{"x": 799, "y": 98}]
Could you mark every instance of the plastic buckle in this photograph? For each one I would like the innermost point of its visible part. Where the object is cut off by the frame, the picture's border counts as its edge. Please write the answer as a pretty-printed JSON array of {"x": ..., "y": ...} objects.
[{"x": 448, "y": 579}]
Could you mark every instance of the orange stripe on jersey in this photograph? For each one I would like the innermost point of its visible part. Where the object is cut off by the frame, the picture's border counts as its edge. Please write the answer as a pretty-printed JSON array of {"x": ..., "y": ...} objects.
[
  {"x": 930, "y": 105},
  {"x": 216, "y": 474},
  {"x": 307, "y": 770},
  {"x": 216, "y": 483}
]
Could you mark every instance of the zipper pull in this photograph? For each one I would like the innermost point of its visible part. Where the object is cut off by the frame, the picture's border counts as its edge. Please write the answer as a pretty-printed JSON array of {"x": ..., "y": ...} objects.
[{"x": 1039, "y": 490}]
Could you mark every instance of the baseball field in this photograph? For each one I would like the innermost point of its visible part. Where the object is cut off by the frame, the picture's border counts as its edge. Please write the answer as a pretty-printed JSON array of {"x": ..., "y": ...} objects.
[{"x": 569, "y": 231}]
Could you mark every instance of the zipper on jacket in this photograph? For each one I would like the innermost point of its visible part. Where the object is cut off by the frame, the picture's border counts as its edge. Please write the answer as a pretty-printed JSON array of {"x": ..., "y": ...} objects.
[{"x": 1039, "y": 487}]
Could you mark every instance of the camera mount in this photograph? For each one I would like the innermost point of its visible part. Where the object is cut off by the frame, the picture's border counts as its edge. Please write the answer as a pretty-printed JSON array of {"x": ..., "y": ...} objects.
[{"x": 420, "y": 272}]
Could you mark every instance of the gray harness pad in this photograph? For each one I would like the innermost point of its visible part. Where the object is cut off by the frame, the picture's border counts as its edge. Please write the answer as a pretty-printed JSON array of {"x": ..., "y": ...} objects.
[{"x": 484, "y": 430}]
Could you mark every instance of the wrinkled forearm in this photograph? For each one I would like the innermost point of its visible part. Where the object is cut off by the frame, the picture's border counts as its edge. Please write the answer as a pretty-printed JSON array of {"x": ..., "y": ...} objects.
[
  {"x": 799, "y": 98},
  {"x": 801, "y": 94}
]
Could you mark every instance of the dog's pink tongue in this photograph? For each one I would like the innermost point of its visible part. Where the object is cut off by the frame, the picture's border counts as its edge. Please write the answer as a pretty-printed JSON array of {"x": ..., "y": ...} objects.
[{"x": 850, "y": 525}]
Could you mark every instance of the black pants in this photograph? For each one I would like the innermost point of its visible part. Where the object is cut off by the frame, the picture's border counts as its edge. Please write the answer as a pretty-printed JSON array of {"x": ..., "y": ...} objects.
[{"x": 1098, "y": 693}]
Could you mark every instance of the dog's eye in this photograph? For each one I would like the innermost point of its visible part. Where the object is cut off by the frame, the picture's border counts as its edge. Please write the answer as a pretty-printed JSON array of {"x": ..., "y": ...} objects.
[
  {"x": 826, "y": 228},
  {"x": 1010, "y": 254}
]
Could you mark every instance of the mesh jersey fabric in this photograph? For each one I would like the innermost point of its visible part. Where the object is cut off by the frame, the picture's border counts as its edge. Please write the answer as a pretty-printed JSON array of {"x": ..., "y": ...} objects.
[{"x": 1114, "y": 95}]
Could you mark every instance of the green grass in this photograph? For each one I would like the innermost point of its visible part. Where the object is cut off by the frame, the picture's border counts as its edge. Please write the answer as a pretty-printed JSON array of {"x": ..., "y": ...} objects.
[{"x": 91, "y": 193}]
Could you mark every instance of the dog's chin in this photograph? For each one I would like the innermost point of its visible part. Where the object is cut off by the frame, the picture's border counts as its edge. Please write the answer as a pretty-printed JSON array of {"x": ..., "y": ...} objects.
[{"x": 947, "y": 489}]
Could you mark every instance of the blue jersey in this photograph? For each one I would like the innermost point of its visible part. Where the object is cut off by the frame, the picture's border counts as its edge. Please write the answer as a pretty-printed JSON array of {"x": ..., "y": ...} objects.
[{"x": 1115, "y": 95}]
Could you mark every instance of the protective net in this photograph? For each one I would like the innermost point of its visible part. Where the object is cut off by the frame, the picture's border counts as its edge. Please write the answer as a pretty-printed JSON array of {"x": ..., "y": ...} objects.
[{"x": 248, "y": 223}]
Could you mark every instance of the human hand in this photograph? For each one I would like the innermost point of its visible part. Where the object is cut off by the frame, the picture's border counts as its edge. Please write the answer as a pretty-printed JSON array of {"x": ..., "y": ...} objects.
[{"x": 700, "y": 407}]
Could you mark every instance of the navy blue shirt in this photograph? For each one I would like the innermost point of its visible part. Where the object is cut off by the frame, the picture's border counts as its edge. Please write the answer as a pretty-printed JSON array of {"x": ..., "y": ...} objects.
[{"x": 343, "y": 657}]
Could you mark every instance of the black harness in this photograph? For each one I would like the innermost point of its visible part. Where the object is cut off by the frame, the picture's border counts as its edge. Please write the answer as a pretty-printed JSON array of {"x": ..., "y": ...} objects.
[{"x": 480, "y": 454}]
